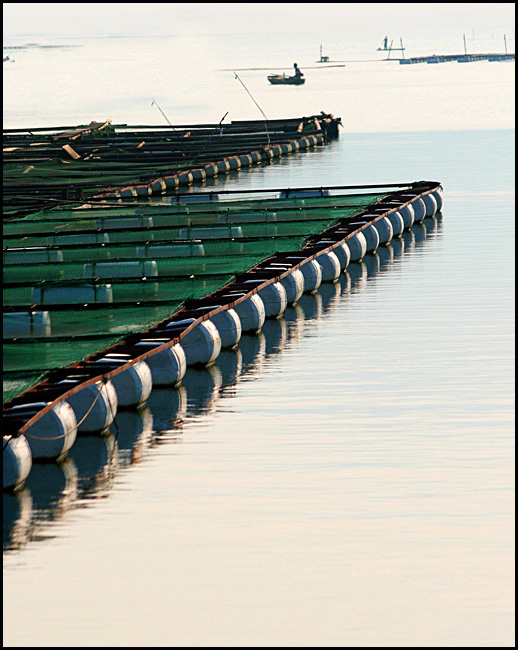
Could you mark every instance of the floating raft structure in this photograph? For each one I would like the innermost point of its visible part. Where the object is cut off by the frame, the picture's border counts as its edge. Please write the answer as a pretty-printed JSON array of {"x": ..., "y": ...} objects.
[
  {"x": 459, "y": 58},
  {"x": 43, "y": 166},
  {"x": 103, "y": 303},
  {"x": 91, "y": 467}
]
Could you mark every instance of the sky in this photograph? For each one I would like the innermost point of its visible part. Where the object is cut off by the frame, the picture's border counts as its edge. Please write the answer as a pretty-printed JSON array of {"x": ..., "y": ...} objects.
[{"x": 132, "y": 19}]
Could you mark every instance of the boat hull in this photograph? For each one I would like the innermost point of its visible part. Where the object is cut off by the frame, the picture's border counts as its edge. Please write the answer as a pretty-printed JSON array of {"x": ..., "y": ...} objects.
[{"x": 285, "y": 81}]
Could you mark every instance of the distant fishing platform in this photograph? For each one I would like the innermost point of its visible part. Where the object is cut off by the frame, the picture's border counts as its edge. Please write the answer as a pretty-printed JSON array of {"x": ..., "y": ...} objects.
[
  {"x": 442, "y": 58},
  {"x": 459, "y": 58}
]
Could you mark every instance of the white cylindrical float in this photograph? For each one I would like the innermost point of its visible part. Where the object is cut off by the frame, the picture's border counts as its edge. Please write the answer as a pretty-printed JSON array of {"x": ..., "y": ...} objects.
[
  {"x": 397, "y": 223},
  {"x": 357, "y": 245},
  {"x": 418, "y": 206},
  {"x": 430, "y": 204},
  {"x": 312, "y": 272},
  {"x": 370, "y": 233},
  {"x": 228, "y": 324},
  {"x": 211, "y": 232},
  {"x": 202, "y": 344},
  {"x": 274, "y": 298},
  {"x": 406, "y": 212},
  {"x": 95, "y": 406},
  {"x": 419, "y": 209},
  {"x": 251, "y": 313},
  {"x": 16, "y": 461},
  {"x": 192, "y": 249},
  {"x": 26, "y": 323},
  {"x": 52, "y": 435},
  {"x": 167, "y": 366},
  {"x": 72, "y": 294},
  {"x": 408, "y": 215},
  {"x": 329, "y": 265},
  {"x": 384, "y": 228},
  {"x": 133, "y": 385},
  {"x": 137, "y": 269},
  {"x": 344, "y": 255},
  {"x": 297, "y": 194},
  {"x": 93, "y": 238},
  {"x": 371, "y": 237},
  {"x": 195, "y": 198},
  {"x": 128, "y": 223},
  {"x": 32, "y": 255},
  {"x": 253, "y": 217},
  {"x": 341, "y": 251},
  {"x": 437, "y": 195},
  {"x": 293, "y": 284}
]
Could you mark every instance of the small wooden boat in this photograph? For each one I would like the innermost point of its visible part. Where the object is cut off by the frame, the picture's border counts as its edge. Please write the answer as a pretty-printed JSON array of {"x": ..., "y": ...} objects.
[{"x": 296, "y": 80}]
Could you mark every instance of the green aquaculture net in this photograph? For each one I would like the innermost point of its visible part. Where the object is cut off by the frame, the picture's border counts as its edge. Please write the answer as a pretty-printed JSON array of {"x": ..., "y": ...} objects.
[{"x": 77, "y": 280}]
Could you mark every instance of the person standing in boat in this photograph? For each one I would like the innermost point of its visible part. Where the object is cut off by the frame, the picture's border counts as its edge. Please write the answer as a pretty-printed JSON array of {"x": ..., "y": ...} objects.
[{"x": 298, "y": 73}]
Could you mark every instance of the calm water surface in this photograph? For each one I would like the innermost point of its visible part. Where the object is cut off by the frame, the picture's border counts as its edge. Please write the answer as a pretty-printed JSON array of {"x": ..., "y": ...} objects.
[{"x": 346, "y": 477}]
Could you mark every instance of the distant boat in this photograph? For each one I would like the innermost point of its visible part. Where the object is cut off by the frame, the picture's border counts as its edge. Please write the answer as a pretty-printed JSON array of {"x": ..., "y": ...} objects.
[
  {"x": 284, "y": 80},
  {"x": 6, "y": 58},
  {"x": 296, "y": 80}
]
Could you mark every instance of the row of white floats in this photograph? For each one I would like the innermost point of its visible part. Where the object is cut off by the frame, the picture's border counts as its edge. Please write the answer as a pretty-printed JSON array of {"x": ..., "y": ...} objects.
[{"x": 93, "y": 408}]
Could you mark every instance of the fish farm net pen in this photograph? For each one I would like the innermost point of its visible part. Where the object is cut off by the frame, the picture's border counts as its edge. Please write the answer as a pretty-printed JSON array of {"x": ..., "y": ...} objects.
[
  {"x": 120, "y": 305},
  {"x": 60, "y": 288}
]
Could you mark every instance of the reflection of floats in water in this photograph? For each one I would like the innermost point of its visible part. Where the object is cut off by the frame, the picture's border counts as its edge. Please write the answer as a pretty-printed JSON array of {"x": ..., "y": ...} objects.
[
  {"x": 202, "y": 386},
  {"x": 330, "y": 292},
  {"x": 386, "y": 257},
  {"x": 230, "y": 364},
  {"x": 50, "y": 491},
  {"x": 253, "y": 347},
  {"x": 311, "y": 305},
  {"x": 419, "y": 233},
  {"x": 357, "y": 272},
  {"x": 275, "y": 333},
  {"x": 431, "y": 224},
  {"x": 17, "y": 514},
  {"x": 96, "y": 458},
  {"x": 345, "y": 284},
  {"x": 54, "y": 486},
  {"x": 168, "y": 406},
  {"x": 134, "y": 430},
  {"x": 88, "y": 471},
  {"x": 294, "y": 318},
  {"x": 398, "y": 247}
]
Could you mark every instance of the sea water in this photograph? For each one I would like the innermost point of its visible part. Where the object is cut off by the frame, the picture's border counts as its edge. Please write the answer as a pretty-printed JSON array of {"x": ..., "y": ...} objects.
[{"x": 346, "y": 477}]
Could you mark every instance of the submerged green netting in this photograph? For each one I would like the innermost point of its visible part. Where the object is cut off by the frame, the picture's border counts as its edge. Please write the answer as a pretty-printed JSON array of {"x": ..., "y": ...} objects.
[
  {"x": 232, "y": 235},
  {"x": 16, "y": 383}
]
